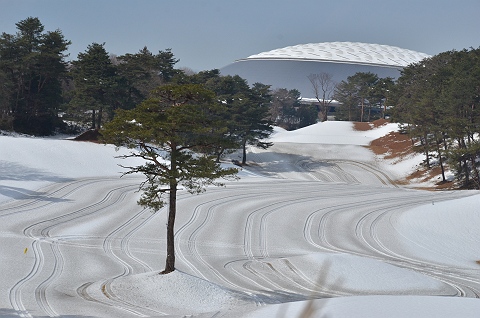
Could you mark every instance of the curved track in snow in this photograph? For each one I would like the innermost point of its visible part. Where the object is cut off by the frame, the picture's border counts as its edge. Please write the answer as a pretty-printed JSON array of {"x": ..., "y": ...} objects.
[{"x": 256, "y": 236}]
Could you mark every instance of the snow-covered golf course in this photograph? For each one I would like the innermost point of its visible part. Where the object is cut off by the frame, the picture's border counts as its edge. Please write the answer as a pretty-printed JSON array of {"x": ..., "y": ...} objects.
[{"x": 315, "y": 227}]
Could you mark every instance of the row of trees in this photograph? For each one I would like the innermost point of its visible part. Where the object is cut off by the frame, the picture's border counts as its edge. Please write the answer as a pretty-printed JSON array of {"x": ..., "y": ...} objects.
[
  {"x": 38, "y": 84},
  {"x": 363, "y": 97},
  {"x": 287, "y": 112},
  {"x": 438, "y": 101},
  {"x": 32, "y": 67}
]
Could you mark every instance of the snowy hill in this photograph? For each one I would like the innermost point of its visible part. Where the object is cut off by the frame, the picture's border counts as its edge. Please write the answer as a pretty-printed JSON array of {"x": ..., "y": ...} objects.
[{"x": 316, "y": 227}]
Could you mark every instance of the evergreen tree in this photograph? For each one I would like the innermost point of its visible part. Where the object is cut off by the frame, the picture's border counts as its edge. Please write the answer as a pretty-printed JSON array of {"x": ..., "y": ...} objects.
[
  {"x": 6, "y": 87},
  {"x": 438, "y": 99},
  {"x": 246, "y": 113},
  {"x": 140, "y": 73},
  {"x": 164, "y": 131},
  {"x": 250, "y": 122},
  {"x": 96, "y": 85},
  {"x": 33, "y": 66},
  {"x": 347, "y": 95},
  {"x": 287, "y": 112},
  {"x": 362, "y": 97}
]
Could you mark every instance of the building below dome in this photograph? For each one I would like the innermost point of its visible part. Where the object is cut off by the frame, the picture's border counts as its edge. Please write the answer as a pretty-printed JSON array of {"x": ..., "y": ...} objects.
[{"x": 290, "y": 67}]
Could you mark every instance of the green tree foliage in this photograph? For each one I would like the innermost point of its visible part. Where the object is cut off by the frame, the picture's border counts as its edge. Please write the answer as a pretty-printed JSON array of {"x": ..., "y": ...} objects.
[
  {"x": 287, "y": 112},
  {"x": 32, "y": 68},
  {"x": 95, "y": 80},
  {"x": 6, "y": 87},
  {"x": 346, "y": 95},
  {"x": 438, "y": 99},
  {"x": 140, "y": 73},
  {"x": 250, "y": 118},
  {"x": 247, "y": 110},
  {"x": 360, "y": 95},
  {"x": 165, "y": 130}
]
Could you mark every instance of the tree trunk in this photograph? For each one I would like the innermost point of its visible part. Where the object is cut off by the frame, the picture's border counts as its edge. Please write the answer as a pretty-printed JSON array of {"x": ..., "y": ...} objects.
[
  {"x": 361, "y": 114},
  {"x": 219, "y": 154},
  {"x": 244, "y": 147},
  {"x": 475, "y": 171},
  {"x": 172, "y": 210},
  {"x": 461, "y": 145},
  {"x": 426, "y": 147},
  {"x": 440, "y": 159},
  {"x": 93, "y": 119},
  {"x": 99, "y": 118}
]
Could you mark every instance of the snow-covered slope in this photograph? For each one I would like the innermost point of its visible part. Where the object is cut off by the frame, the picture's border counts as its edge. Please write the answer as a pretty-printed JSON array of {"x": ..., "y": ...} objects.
[{"x": 317, "y": 216}]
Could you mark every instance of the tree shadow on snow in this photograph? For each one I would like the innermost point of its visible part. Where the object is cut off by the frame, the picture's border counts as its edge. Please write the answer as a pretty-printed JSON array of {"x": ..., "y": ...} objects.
[
  {"x": 17, "y": 172},
  {"x": 20, "y": 193},
  {"x": 273, "y": 163}
]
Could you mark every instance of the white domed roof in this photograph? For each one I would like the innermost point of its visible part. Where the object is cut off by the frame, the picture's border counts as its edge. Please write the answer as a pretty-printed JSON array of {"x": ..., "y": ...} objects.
[{"x": 345, "y": 52}]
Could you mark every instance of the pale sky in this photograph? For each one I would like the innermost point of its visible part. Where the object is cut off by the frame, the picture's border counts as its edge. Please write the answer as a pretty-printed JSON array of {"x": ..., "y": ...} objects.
[{"x": 210, "y": 34}]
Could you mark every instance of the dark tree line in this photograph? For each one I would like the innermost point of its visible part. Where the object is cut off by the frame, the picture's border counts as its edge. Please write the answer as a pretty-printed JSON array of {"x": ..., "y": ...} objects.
[
  {"x": 287, "y": 112},
  {"x": 102, "y": 83},
  {"x": 438, "y": 100},
  {"x": 37, "y": 85},
  {"x": 363, "y": 97},
  {"x": 32, "y": 68}
]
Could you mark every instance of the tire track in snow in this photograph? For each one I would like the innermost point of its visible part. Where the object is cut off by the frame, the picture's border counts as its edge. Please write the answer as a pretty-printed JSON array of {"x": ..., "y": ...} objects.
[
  {"x": 40, "y": 233},
  {"x": 46, "y": 196},
  {"x": 125, "y": 259},
  {"x": 255, "y": 243},
  {"x": 367, "y": 229},
  {"x": 364, "y": 225}
]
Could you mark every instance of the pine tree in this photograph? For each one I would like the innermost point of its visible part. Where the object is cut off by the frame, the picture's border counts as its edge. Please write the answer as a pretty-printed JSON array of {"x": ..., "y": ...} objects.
[
  {"x": 95, "y": 82},
  {"x": 32, "y": 63},
  {"x": 165, "y": 130},
  {"x": 140, "y": 73}
]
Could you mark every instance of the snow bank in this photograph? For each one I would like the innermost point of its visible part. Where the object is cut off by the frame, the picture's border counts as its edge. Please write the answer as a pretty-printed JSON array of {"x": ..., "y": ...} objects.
[
  {"x": 371, "y": 307},
  {"x": 28, "y": 164},
  {"x": 357, "y": 275},
  {"x": 333, "y": 133},
  {"x": 424, "y": 227},
  {"x": 176, "y": 292},
  {"x": 61, "y": 158}
]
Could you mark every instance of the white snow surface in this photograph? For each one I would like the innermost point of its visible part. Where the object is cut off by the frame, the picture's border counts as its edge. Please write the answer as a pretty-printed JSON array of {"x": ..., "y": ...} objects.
[{"x": 316, "y": 227}]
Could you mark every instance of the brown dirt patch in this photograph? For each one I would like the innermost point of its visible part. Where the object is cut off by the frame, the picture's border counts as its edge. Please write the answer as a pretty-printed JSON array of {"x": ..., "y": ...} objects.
[
  {"x": 423, "y": 174},
  {"x": 393, "y": 145},
  {"x": 363, "y": 126},
  {"x": 91, "y": 135},
  {"x": 397, "y": 146}
]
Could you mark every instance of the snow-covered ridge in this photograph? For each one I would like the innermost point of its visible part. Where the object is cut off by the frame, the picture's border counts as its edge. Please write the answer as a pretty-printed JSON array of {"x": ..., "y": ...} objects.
[{"x": 345, "y": 52}]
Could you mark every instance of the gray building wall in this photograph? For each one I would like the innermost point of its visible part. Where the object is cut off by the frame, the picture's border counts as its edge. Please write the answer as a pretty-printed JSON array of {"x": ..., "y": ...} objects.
[{"x": 292, "y": 74}]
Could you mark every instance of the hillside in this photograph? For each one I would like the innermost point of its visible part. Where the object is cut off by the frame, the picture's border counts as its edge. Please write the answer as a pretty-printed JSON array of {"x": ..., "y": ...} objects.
[{"x": 319, "y": 225}]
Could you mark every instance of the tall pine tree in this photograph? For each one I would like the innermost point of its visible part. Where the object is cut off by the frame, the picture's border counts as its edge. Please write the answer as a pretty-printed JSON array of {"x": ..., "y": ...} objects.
[
  {"x": 95, "y": 82},
  {"x": 165, "y": 131},
  {"x": 33, "y": 67}
]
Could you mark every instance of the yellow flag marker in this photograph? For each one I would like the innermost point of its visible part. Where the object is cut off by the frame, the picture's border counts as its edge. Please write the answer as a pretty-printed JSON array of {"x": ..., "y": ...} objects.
[{"x": 25, "y": 251}]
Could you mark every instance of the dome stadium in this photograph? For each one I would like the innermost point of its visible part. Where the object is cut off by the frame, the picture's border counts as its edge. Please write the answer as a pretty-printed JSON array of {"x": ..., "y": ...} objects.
[{"x": 289, "y": 67}]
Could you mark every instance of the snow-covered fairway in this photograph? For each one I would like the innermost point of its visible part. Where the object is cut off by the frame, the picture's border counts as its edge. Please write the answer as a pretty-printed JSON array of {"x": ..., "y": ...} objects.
[{"x": 317, "y": 216}]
